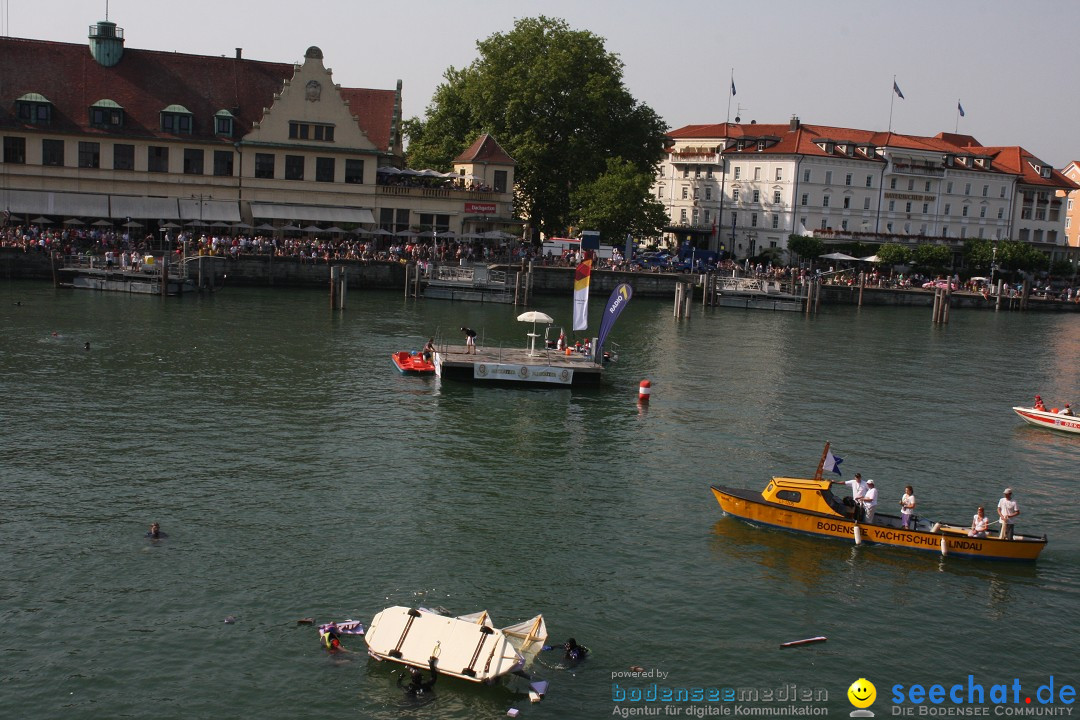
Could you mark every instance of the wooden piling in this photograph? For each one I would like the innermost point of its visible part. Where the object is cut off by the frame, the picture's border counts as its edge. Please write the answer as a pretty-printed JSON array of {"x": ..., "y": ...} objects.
[
  {"x": 407, "y": 266},
  {"x": 862, "y": 284},
  {"x": 165, "y": 275}
]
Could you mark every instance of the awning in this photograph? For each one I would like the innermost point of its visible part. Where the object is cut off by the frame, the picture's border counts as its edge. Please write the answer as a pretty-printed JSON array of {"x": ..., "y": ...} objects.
[
  {"x": 126, "y": 206},
  {"x": 40, "y": 202},
  {"x": 311, "y": 213},
  {"x": 211, "y": 210}
]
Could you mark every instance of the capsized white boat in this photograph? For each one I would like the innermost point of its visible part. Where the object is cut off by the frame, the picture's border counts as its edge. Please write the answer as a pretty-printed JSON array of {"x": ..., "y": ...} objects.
[
  {"x": 469, "y": 647},
  {"x": 1047, "y": 419}
]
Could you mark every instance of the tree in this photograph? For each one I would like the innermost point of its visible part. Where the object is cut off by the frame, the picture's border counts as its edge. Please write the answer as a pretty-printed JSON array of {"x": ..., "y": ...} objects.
[
  {"x": 978, "y": 254},
  {"x": 894, "y": 254},
  {"x": 936, "y": 258},
  {"x": 1015, "y": 255},
  {"x": 554, "y": 100},
  {"x": 805, "y": 246},
  {"x": 618, "y": 202}
]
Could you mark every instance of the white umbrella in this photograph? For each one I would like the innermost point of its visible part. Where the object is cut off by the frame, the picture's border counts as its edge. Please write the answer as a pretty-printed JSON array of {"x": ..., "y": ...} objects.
[
  {"x": 838, "y": 256},
  {"x": 871, "y": 259},
  {"x": 534, "y": 316}
]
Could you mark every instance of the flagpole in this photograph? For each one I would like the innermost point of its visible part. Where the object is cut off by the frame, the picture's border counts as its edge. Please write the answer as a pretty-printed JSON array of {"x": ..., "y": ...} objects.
[
  {"x": 892, "y": 99},
  {"x": 957, "y": 128},
  {"x": 731, "y": 81}
]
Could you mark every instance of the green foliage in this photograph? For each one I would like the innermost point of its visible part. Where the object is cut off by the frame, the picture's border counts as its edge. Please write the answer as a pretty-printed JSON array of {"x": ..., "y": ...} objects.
[
  {"x": 805, "y": 246},
  {"x": 618, "y": 202},
  {"x": 936, "y": 258},
  {"x": 1062, "y": 269},
  {"x": 894, "y": 254},
  {"x": 554, "y": 99},
  {"x": 1015, "y": 255},
  {"x": 978, "y": 254}
]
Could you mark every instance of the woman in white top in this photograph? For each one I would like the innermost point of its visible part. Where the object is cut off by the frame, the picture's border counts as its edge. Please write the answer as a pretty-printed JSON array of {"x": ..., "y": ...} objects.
[
  {"x": 907, "y": 506},
  {"x": 979, "y": 525}
]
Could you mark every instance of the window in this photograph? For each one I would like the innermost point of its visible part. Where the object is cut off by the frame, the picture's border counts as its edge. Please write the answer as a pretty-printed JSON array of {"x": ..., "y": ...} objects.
[
  {"x": 157, "y": 159},
  {"x": 15, "y": 150},
  {"x": 925, "y": 208},
  {"x": 757, "y": 196},
  {"x": 734, "y": 219},
  {"x": 89, "y": 155},
  {"x": 825, "y": 201},
  {"x": 964, "y": 211},
  {"x": 824, "y": 223},
  {"x": 967, "y": 188},
  {"x": 223, "y": 163},
  {"x": 694, "y": 216},
  {"x": 847, "y": 179},
  {"x": 806, "y": 176},
  {"x": 686, "y": 172},
  {"x": 52, "y": 152},
  {"x": 927, "y": 186},
  {"x": 354, "y": 172},
  {"x": 682, "y": 216},
  {"x": 828, "y": 177},
  {"x": 708, "y": 193},
  {"x": 948, "y": 188},
  {"x": 779, "y": 173},
  {"x": 294, "y": 167},
  {"x": 869, "y": 181},
  {"x": 1001, "y": 213},
  {"x": 438, "y": 223},
  {"x": 34, "y": 112},
  {"x": 223, "y": 124},
  {"x": 847, "y": 203},
  {"x": 775, "y": 221},
  {"x": 843, "y": 224},
  {"x": 735, "y": 195},
  {"x": 709, "y": 172},
  {"x": 311, "y": 131},
  {"x": 123, "y": 157},
  {"x": 686, "y": 192},
  {"x": 697, "y": 171},
  {"x": 907, "y": 207},
  {"x": 264, "y": 166},
  {"x": 982, "y": 212},
  {"x": 947, "y": 208},
  {"x": 1002, "y": 191},
  {"x": 738, "y": 172},
  {"x": 176, "y": 122},
  {"x": 892, "y": 205},
  {"x": 193, "y": 161},
  {"x": 892, "y": 184},
  {"x": 753, "y": 219},
  {"x": 757, "y": 173},
  {"x": 324, "y": 169},
  {"x": 695, "y": 192},
  {"x": 910, "y": 185},
  {"x": 500, "y": 179},
  {"x": 805, "y": 200},
  {"x": 106, "y": 117},
  {"x": 888, "y": 227},
  {"x": 866, "y": 203},
  {"x": 776, "y": 197},
  {"x": 986, "y": 190}
]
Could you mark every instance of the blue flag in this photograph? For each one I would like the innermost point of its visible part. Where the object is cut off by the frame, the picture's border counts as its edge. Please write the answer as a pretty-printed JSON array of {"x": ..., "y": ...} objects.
[
  {"x": 620, "y": 298},
  {"x": 896, "y": 89},
  {"x": 960, "y": 108},
  {"x": 733, "y": 86},
  {"x": 832, "y": 463}
]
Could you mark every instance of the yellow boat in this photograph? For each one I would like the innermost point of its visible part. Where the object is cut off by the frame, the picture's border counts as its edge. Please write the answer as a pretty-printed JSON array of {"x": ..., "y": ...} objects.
[{"x": 808, "y": 505}]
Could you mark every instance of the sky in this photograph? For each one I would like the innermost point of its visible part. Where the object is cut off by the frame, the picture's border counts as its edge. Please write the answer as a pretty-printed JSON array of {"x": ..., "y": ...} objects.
[{"x": 1009, "y": 64}]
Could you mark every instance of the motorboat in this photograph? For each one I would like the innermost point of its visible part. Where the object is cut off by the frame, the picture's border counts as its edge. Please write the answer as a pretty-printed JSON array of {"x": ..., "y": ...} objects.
[
  {"x": 808, "y": 505},
  {"x": 1049, "y": 419},
  {"x": 469, "y": 646},
  {"x": 412, "y": 363}
]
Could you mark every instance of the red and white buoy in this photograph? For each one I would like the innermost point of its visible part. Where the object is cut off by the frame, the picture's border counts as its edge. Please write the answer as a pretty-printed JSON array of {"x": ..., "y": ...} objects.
[{"x": 644, "y": 391}]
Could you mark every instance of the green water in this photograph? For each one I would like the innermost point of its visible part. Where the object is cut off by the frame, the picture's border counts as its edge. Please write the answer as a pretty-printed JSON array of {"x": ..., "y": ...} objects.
[{"x": 298, "y": 475}]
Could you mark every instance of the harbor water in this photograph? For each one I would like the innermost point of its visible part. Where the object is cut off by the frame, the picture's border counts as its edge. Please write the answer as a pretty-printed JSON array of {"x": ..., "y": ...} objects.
[{"x": 298, "y": 475}]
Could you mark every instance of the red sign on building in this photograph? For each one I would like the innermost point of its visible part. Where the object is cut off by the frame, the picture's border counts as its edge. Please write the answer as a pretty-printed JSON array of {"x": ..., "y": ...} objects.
[{"x": 480, "y": 208}]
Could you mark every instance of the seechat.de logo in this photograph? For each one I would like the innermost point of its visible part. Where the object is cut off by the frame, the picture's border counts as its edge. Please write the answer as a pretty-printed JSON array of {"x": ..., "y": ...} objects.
[{"x": 862, "y": 694}]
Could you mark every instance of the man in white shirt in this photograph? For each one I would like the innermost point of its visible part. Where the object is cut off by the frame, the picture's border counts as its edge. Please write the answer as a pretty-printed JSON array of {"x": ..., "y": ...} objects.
[
  {"x": 1007, "y": 512},
  {"x": 858, "y": 490},
  {"x": 869, "y": 502}
]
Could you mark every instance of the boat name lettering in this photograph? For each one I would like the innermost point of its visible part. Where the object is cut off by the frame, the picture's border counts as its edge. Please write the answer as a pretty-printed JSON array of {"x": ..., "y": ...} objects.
[{"x": 834, "y": 527}]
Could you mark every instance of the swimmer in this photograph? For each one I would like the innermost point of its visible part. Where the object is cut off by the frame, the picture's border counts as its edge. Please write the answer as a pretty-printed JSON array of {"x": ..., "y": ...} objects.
[
  {"x": 86, "y": 346},
  {"x": 573, "y": 651},
  {"x": 154, "y": 533},
  {"x": 417, "y": 685}
]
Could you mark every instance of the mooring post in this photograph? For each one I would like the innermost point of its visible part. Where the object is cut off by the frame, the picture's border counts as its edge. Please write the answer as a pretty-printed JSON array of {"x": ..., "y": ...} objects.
[{"x": 862, "y": 284}]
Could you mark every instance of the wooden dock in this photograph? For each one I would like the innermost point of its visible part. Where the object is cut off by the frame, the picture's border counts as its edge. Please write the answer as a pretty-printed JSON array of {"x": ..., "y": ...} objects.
[{"x": 506, "y": 366}]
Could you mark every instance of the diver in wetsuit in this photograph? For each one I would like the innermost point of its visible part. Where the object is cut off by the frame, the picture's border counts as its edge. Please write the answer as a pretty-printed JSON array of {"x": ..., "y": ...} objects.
[
  {"x": 417, "y": 685},
  {"x": 573, "y": 651}
]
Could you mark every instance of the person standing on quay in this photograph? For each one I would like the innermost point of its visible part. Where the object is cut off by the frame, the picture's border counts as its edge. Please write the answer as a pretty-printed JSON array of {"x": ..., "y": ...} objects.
[{"x": 470, "y": 340}]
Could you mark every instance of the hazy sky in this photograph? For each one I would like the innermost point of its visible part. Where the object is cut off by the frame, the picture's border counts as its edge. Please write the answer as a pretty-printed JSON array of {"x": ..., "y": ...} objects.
[{"x": 1012, "y": 64}]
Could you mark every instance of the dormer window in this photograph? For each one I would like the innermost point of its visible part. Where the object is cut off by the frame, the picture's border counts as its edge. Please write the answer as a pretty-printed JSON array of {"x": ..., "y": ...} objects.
[
  {"x": 176, "y": 119},
  {"x": 1047, "y": 171},
  {"x": 760, "y": 145},
  {"x": 34, "y": 109},
  {"x": 224, "y": 123},
  {"x": 740, "y": 145},
  {"x": 106, "y": 114},
  {"x": 948, "y": 160}
]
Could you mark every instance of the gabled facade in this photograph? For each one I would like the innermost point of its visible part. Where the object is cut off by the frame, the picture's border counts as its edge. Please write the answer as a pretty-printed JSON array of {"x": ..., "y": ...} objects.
[
  {"x": 108, "y": 133},
  {"x": 1071, "y": 198},
  {"x": 745, "y": 188}
]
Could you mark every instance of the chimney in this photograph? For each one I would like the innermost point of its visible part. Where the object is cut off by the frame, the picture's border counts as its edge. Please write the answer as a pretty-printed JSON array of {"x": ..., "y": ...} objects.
[
  {"x": 239, "y": 53},
  {"x": 794, "y": 124}
]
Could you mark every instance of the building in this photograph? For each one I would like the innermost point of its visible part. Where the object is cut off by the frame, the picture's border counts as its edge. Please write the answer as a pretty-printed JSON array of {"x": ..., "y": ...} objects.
[
  {"x": 106, "y": 135},
  {"x": 1072, "y": 205},
  {"x": 743, "y": 188}
]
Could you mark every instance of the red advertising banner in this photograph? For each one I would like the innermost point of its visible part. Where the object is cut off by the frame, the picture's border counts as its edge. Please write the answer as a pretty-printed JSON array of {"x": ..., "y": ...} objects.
[{"x": 480, "y": 208}]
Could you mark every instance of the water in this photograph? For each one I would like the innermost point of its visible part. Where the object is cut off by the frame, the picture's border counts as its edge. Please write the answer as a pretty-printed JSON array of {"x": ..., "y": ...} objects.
[{"x": 298, "y": 475}]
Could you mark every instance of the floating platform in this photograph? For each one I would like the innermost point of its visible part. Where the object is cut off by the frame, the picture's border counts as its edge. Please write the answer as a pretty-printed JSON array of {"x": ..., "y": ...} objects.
[
  {"x": 128, "y": 281},
  {"x": 474, "y": 283},
  {"x": 539, "y": 368}
]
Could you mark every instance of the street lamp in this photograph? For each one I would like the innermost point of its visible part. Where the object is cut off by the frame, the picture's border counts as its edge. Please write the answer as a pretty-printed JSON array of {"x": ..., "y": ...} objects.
[{"x": 993, "y": 267}]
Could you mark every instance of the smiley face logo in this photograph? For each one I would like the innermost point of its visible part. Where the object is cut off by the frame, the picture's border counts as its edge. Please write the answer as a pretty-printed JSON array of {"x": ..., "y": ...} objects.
[{"x": 862, "y": 693}]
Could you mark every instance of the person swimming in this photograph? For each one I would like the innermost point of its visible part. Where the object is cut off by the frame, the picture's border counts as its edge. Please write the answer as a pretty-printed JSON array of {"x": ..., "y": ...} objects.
[
  {"x": 154, "y": 533},
  {"x": 573, "y": 651},
  {"x": 417, "y": 685}
]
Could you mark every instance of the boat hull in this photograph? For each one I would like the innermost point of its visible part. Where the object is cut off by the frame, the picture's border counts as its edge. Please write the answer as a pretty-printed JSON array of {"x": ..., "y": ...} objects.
[
  {"x": 1050, "y": 420},
  {"x": 409, "y": 364},
  {"x": 742, "y": 504}
]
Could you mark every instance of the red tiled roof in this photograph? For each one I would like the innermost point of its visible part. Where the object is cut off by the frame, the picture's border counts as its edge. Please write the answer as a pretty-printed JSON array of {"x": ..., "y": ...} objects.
[
  {"x": 144, "y": 82},
  {"x": 487, "y": 150}
]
